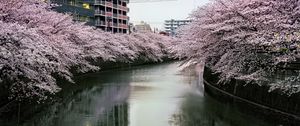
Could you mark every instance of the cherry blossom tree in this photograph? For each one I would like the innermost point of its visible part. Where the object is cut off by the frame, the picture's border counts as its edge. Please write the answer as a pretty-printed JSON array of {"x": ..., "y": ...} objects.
[
  {"x": 38, "y": 46},
  {"x": 243, "y": 39}
]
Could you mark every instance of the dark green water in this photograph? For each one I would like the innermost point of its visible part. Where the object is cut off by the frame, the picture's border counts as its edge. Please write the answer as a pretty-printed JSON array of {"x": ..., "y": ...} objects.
[{"x": 155, "y": 95}]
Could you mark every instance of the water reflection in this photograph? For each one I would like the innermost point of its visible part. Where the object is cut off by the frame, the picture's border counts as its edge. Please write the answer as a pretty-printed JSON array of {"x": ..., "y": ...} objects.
[
  {"x": 143, "y": 96},
  {"x": 206, "y": 111},
  {"x": 95, "y": 106}
]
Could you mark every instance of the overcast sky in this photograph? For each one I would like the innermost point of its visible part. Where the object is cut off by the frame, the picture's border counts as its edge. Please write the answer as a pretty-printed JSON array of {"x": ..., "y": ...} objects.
[{"x": 154, "y": 13}]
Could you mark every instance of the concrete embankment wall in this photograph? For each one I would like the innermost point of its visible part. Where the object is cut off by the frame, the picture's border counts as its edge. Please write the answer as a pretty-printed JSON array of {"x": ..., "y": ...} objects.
[{"x": 255, "y": 99}]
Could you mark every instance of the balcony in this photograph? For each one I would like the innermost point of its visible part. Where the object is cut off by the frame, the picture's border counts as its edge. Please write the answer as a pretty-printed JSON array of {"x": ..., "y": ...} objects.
[
  {"x": 124, "y": 26},
  {"x": 127, "y": 1},
  {"x": 124, "y": 17},
  {"x": 100, "y": 23},
  {"x": 99, "y": 2},
  {"x": 123, "y": 8},
  {"x": 109, "y": 14},
  {"x": 109, "y": 24},
  {"x": 99, "y": 12},
  {"x": 109, "y": 4}
]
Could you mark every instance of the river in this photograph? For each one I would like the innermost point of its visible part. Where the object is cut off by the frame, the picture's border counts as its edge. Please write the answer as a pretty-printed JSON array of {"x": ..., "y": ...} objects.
[{"x": 151, "y": 95}]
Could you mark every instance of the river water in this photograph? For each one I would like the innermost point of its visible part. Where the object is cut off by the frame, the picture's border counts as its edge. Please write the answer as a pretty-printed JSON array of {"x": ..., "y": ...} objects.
[{"x": 152, "y": 95}]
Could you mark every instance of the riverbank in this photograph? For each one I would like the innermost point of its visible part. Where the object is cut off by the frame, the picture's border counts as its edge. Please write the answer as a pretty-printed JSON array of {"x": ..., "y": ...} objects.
[{"x": 275, "y": 105}]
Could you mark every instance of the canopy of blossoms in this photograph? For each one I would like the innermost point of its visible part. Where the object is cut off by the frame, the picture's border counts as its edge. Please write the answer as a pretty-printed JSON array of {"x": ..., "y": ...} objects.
[
  {"x": 38, "y": 46},
  {"x": 245, "y": 39}
]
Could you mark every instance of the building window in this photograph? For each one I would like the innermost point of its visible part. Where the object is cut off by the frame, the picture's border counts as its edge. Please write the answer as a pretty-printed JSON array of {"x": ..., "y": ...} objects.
[{"x": 72, "y": 2}]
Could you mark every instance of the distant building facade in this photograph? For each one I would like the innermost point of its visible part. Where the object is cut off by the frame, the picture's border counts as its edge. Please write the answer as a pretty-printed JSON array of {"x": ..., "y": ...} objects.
[
  {"x": 164, "y": 33},
  {"x": 142, "y": 27},
  {"x": 108, "y": 15},
  {"x": 172, "y": 25}
]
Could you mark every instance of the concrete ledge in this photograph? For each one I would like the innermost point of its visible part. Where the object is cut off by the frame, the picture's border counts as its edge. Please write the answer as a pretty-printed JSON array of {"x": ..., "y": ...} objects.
[{"x": 273, "y": 106}]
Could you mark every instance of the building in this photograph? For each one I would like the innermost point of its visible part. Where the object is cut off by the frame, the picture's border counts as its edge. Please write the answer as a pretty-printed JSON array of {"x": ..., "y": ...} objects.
[
  {"x": 108, "y": 15},
  {"x": 142, "y": 27},
  {"x": 163, "y": 33},
  {"x": 172, "y": 25},
  {"x": 131, "y": 28}
]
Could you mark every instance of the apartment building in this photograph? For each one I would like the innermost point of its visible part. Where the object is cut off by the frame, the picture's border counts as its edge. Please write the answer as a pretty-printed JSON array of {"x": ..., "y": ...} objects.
[
  {"x": 108, "y": 15},
  {"x": 172, "y": 25},
  {"x": 142, "y": 27}
]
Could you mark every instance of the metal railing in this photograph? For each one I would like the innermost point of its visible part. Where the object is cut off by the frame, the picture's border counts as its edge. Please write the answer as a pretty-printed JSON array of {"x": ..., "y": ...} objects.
[
  {"x": 123, "y": 16},
  {"x": 125, "y": 26},
  {"x": 100, "y": 23},
  {"x": 109, "y": 4},
  {"x": 99, "y": 2},
  {"x": 123, "y": 8},
  {"x": 108, "y": 14},
  {"x": 101, "y": 12}
]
